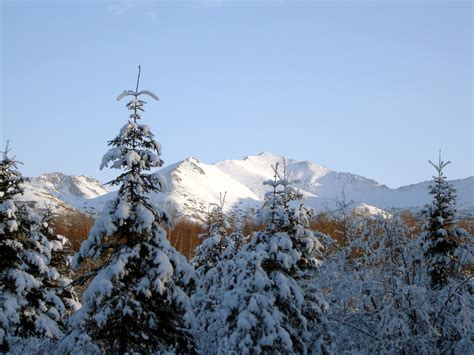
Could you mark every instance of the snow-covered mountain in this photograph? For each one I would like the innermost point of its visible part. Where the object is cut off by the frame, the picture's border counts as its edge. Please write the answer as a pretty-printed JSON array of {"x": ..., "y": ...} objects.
[
  {"x": 193, "y": 185},
  {"x": 70, "y": 186},
  {"x": 63, "y": 193}
]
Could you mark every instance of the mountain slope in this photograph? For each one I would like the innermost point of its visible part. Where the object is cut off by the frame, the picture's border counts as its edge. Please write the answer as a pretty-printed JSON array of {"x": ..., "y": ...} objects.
[
  {"x": 319, "y": 183},
  {"x": 70, "y": 186},
  {"x": 63, "y": 193},
  {"x": 193, "y": 185}
]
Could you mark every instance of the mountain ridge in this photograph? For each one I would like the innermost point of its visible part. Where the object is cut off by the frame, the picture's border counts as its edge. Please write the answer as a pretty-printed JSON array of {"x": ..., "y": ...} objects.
[{"x": 192, "y": 185}]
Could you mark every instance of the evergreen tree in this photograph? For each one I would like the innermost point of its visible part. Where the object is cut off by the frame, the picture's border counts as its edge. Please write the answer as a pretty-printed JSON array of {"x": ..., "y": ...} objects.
[
  {"x": 449, "y": 253},
  {"x": 34, "y": 297},
  {"x": 10, "y": 246},
  {"x": 210, "y": 264},
  {"x": 215, "y": 240},
  {"x": 136, "y": 301},
  {"x": 439, "y": 230},
  {"x": 60, "y": 260},
  {"x": 271, "y": 304}
]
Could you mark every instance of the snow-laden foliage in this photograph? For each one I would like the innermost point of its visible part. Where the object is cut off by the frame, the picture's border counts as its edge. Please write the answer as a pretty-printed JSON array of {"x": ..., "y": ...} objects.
[
  {"x": 210, "y": 263},
  {"x": 10, "y": 186},
  {"x": 440, "y": 232},
  {"x": 35, "y": 299},
  {"x": 136, "y": 301},
  {"x": 378, "y": 286},
  {"x": 374, "y": 291},
  {"x": 270, "y": 303},
  {"x": 215, "y": 241},
  {"x": 449, "y": 253}
]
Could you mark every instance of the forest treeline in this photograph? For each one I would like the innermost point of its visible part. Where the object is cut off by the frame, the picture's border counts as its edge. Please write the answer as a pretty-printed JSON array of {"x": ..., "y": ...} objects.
[{"x": 184, "y": 234}]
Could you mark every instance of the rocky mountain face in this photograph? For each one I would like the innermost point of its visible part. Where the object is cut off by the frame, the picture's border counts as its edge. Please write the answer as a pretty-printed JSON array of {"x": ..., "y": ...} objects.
[
  {"x": 62, "y": 193},
  {"x": 70, "y": 186},
  {"x": 194, "y": 185}
]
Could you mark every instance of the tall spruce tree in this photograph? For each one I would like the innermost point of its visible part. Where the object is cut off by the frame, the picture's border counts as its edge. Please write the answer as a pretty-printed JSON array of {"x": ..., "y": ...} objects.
[
  {"x": 210, "y": 262},
  {"x": 10, "y": 247},
  {"x": 439, "y": 229},
  {"x": 272, "y": 304},
  {"x": 136, "y": 301},
  {"x": 449, "y": 252},
  {"x": 215, "y": 241},
  {"x": 35, "y": 299}
]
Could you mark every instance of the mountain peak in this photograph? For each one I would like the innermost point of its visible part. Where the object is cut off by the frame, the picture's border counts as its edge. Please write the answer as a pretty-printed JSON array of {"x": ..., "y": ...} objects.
[
  {"x": 70, "y": 185},
  {"x": 194, "y": 185},
  {"x": 192, "y": 160},
  {"x": 264, "y": 155}
]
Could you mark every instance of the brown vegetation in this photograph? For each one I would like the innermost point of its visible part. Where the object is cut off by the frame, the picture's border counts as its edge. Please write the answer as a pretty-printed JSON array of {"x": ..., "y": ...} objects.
[
  {"x": 185, "y": 237},
  {"x": 74, "y": 226},
  {"x": 185, "y": 234}
]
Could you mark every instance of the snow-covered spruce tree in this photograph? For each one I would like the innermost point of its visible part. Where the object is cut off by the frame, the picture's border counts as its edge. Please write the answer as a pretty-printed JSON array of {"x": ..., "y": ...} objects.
[
  {"x": 238, "y": 220},
  {"x": 449, "y": 254},
  {"x": 136, "y": 301},
  {"x": 214, "y": 242},
  {"x": 10, "y": 247},
  {"x": 35, "y": 299},
  {"x": 272, "y": 304},
  {"x": 440, "y": 222},
  {"x": 209, "y": 263},
  {"x": 60, "y": 260},
  {"x": 62, "y": 257}
]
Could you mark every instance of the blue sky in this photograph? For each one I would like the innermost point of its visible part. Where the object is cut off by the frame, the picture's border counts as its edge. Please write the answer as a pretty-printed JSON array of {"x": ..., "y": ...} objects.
[{"x": 373, "y": 88}]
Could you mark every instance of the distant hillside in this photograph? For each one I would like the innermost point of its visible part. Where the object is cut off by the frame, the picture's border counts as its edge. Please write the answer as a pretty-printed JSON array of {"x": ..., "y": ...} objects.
[{"x": 193, "y": 185}]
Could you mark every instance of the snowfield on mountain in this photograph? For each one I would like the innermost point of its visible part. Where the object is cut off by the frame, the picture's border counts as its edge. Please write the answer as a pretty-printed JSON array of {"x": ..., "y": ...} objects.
[{"x": 192, "y": 185}]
